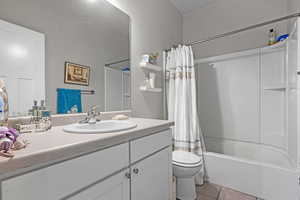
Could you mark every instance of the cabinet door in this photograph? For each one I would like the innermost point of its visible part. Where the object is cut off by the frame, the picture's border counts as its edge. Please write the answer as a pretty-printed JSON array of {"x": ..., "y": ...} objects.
[
  {"x": 60, "y": 180},
  {"x": 151, "y": 177},
  {"x": 113, "y": 188}
]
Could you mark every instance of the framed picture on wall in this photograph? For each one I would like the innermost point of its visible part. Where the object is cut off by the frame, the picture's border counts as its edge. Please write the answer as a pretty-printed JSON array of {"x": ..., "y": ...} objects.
[{"x": 77, "y": 74}]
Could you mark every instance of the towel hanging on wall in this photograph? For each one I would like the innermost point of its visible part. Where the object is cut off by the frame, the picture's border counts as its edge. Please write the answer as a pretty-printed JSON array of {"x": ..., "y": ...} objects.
[{"x": 67, "y": 99}]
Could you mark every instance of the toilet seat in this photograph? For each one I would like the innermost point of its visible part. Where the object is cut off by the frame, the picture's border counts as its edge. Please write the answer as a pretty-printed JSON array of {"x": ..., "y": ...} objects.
[{"x": 186, "y": 159}]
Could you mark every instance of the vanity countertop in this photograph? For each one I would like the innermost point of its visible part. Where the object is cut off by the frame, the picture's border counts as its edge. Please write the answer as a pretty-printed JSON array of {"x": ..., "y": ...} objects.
[{"x": 56, "y": 145}]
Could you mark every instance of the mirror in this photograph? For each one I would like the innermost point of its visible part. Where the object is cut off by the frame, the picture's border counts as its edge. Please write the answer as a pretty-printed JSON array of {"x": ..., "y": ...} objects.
[{"x": 72, "y": 54}]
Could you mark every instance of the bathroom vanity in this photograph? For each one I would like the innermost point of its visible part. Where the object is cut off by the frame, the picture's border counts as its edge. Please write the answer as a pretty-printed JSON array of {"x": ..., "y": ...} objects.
[
  {"x": 134, "y": 164},
  {"x": 86, "y": 62}
]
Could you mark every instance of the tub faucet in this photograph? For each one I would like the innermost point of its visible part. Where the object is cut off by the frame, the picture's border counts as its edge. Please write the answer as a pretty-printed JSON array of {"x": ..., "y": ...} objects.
[{"x": 92, "y": 115}]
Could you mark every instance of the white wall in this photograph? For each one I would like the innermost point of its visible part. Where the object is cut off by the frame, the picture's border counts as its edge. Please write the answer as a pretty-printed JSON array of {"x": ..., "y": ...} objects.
[
  {"x": 223, "y": 16},
  {"x": 155, "y": 25},
  {"x": 293, "y": 6}
]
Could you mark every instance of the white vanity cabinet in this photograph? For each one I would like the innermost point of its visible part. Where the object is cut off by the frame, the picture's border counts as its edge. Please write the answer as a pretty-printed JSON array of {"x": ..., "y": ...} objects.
[{"x": 139, "y": 169}]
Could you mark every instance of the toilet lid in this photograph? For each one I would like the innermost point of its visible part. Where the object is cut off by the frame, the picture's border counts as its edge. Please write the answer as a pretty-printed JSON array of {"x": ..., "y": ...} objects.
[{"x": 186, "y": 158}]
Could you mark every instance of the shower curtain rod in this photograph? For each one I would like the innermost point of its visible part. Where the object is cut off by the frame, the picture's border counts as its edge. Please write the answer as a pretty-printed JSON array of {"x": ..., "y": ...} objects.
[
  {"x": 117, "y": 62},
  {"x": 242, "y": 29}
]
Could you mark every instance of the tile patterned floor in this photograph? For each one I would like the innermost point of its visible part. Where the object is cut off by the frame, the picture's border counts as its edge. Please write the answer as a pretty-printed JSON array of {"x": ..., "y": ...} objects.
[{"x": 214, "y": 192}]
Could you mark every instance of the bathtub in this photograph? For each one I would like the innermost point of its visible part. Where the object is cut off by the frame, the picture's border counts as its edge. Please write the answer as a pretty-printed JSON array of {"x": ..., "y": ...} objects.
[{"x": 269, "y": 176}]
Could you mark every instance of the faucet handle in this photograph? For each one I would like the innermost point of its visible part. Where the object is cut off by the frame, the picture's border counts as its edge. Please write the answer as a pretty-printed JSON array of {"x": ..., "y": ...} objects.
[
  {"x": 92, "y": 114},
  {"x": 93, "y": 108}
]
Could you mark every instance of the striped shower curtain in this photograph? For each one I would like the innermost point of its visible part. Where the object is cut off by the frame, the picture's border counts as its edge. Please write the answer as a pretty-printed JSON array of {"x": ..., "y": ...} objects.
[{"x": 182, "y": 102}]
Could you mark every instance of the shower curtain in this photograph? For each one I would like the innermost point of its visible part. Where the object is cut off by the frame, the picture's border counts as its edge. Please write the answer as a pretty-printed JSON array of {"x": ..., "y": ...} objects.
[{"x": 182, "y": 103}]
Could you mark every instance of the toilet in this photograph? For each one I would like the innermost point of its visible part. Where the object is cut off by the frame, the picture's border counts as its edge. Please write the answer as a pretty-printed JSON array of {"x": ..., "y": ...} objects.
[{"x": 185, "y": 166}]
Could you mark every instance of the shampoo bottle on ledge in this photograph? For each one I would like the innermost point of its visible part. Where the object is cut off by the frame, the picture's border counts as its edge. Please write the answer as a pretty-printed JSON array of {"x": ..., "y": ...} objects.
[{"x": 272, "y": 37}]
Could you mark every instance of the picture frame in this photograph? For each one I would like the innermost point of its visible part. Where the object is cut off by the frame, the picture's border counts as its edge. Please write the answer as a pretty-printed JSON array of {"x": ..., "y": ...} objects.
[{"x": 77, "y": 74}]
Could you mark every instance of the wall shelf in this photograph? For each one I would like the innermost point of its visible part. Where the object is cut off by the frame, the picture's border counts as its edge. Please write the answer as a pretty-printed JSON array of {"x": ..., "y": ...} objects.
[
  {"x": 156, "y": 90},
  {"x": 280, "y": 87},
  {"x": 275, "y": 88},
  {"x": 274, "y": 47},
  {"x": 245, "y": 53},
  {"x": 126, "y": 72},
  {"x": 150, "y": 67}
]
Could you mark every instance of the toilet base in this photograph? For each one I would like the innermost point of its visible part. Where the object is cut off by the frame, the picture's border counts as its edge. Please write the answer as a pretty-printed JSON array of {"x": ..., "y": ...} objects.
[{"x": 186, "y": 189}]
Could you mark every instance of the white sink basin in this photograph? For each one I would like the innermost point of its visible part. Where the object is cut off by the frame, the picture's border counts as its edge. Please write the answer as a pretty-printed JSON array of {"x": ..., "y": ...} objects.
[{"x": 101, "y": 127}]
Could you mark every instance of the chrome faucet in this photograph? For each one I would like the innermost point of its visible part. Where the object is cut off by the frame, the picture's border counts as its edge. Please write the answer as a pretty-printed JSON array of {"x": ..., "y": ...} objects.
[{"x": 92, "y": 115}]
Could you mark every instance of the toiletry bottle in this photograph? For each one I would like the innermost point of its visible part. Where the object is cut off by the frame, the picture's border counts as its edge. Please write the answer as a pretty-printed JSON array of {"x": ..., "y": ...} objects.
[
  {"x": 43, "y": 106},
  {"x": 272, "y": 37},
  {"x": 35, "y": 109},
  {"x": 47, "y": 119},
  {"x": 41, "y": 109},
  {"x": 4, "y": 108},
  {"x": 152, "y": 77}
]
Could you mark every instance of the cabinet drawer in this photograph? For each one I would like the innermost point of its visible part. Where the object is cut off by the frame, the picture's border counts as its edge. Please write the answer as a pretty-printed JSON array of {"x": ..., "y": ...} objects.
[
  {"x": 60, "y": 180},
  {"x": 145, "y": 146}
]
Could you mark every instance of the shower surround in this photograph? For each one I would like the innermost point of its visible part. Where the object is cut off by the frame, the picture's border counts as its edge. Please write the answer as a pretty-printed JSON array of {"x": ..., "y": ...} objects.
[{"x": 248, "y": 103}]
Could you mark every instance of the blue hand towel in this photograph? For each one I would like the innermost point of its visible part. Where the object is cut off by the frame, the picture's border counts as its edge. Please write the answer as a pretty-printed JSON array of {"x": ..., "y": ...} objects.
[{"x": 66, "y": 99}]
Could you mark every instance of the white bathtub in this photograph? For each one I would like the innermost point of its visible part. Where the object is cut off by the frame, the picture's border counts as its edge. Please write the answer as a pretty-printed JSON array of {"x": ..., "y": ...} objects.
[
  {"x": 250, "y": 151},
  {"x": 255, "y": 177}
]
